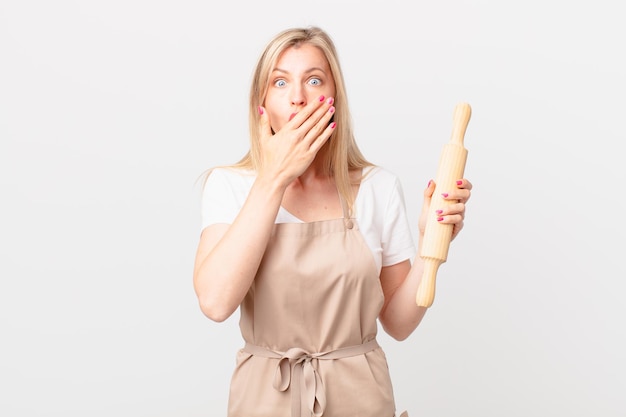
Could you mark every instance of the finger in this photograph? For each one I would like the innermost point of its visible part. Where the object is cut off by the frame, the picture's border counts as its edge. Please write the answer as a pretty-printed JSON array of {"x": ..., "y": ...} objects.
[
  {"x": 458, "y": 195},
  {"x": 456, "y": 229},
  {"x": 452, "y": 209},
  {"x": 266, "y": 129},
  {"x": 320, "y": 128},
  {"x": 450, "y": 219},
  {"x": 428, "y": 194},
  {"x": 321, "y": 139},
  {"x": 430, "y": 189},
  {"x": 317, "y": 117},
  {"x": 464, "y": 183},
  {"x": 303, "y": 117}
]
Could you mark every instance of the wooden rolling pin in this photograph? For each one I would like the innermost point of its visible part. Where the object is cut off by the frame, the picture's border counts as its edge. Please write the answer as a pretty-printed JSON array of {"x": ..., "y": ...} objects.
[{"x": 437, "y": 236}]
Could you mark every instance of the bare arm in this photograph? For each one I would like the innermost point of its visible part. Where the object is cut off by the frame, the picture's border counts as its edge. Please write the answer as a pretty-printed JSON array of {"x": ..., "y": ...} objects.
[
  {"x": 400, "y": 314},
  {"x": 229, "y": 256}
]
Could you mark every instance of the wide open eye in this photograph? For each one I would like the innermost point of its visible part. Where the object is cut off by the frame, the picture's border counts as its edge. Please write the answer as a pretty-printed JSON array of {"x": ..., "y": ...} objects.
[
  {"x": 315, "y": 81},
  {"x": 280, "y": 83}
]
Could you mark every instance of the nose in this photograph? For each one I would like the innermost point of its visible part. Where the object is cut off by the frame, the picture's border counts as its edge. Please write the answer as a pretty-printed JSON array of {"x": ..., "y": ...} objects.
[{"x": 298, "y": 98}]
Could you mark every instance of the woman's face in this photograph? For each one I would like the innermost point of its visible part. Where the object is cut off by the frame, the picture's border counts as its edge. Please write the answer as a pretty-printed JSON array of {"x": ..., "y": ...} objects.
[{"x": 300, "y": 76}]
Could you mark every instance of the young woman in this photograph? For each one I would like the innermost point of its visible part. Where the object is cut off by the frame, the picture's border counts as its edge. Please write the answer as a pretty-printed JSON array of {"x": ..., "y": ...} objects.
[{"x": 312, "y": 243}]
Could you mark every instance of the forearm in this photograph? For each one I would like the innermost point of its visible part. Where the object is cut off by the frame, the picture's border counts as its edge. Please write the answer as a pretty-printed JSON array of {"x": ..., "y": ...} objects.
[
  {"x": 401, "y": 315},
  {"x": 226, "y": 268}
]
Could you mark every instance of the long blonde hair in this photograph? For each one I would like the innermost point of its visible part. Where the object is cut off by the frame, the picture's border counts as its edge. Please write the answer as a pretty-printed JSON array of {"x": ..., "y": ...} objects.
[{"x": 344, "y": 154}]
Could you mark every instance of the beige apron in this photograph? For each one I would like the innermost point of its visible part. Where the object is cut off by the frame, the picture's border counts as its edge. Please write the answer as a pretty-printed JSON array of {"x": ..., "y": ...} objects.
[{"x": 309, "y": 323}]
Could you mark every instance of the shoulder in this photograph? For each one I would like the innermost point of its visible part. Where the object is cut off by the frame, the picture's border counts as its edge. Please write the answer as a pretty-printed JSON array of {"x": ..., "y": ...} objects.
[
  {"x": 379, "y": 175},
  {"x": 227, "y": 184},
  {"x": 380, "y": 192},
  {"x": 382, "y": 217},
  {"x": 224, "y": 193},
  {"x": 226, "y": 173},
  {"x": 380, "y": 181},
  {"x": 230, "y": 178}
]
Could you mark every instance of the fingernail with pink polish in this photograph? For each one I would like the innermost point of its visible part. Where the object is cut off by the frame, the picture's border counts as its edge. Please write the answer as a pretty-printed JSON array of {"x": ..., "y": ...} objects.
[
  {"x": 459, "y": 182},
  {"x": 331, "y": 110},
  {"x": 332, "y": 125},
  {"x": 445, "y": 195},
  {"x": 439, "y": 219},
  {"x": 322, "y": 98},
  {"x": 260, "y": 110},
  {"x": 439, "y": 211},
  {"x": 330, "y": 100}
]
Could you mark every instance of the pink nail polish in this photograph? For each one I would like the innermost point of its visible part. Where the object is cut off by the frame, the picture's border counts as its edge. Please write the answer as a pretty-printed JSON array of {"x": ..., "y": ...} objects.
[
  {"x": 332, "y": 125},
  {"x": 445, "y": 195},
  {"x": 459, "y": 182},
  {"x": 330, "y": 100},
  {"x": 439, "y": 219},
  {"x": 429, "y": 182},
  {"x": 331, "y": 110},
  {"x": 260, "y": 110},
  {"x": 439, "y": 211},
  {"x": 322, "y": 98}
]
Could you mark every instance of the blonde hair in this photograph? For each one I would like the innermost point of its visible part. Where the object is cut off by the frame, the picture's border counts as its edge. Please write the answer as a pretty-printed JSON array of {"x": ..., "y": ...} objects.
[{"x": 344, "y": 154}]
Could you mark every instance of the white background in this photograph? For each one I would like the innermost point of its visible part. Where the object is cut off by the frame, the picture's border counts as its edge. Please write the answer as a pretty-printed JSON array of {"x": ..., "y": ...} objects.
[{"x": 109, "y": 111}]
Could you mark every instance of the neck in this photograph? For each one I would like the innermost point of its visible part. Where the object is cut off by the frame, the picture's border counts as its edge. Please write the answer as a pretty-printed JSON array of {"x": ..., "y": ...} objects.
[{"x": 316, "y": 170}]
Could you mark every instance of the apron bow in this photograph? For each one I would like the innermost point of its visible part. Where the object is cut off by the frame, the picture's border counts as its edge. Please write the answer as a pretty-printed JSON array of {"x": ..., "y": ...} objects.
[
  {"x": 297, "y": 368},
  {"x": 306, "y": 380}
]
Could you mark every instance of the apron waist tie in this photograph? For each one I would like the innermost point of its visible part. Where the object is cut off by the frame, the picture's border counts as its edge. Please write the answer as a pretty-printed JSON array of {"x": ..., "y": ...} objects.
[{"x": 298, "y": 368}]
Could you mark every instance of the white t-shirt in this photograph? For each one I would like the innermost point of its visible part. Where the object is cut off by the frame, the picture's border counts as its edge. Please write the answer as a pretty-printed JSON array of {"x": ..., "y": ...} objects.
[{"x": 379, "y": 210}]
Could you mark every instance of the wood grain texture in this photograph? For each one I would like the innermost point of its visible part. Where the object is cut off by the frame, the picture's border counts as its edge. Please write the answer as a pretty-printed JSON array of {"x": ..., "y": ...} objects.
[{"x": 437, "y": 236}]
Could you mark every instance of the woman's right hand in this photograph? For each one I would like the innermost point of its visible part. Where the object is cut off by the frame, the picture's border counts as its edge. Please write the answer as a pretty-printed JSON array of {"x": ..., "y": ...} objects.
[
  {"x": 286, "y": 154},
  {"x": 221, "y": 278}
]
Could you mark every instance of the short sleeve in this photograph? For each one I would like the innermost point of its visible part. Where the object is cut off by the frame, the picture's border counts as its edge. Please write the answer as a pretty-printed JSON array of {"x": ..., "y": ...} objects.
[
  {"x": 397, "y": 240},
  {"x": 219, "y": 202}
]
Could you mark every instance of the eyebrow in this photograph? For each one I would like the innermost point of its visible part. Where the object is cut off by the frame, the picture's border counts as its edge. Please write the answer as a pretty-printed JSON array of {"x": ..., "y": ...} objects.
[{"x": 310, "y": 70}]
